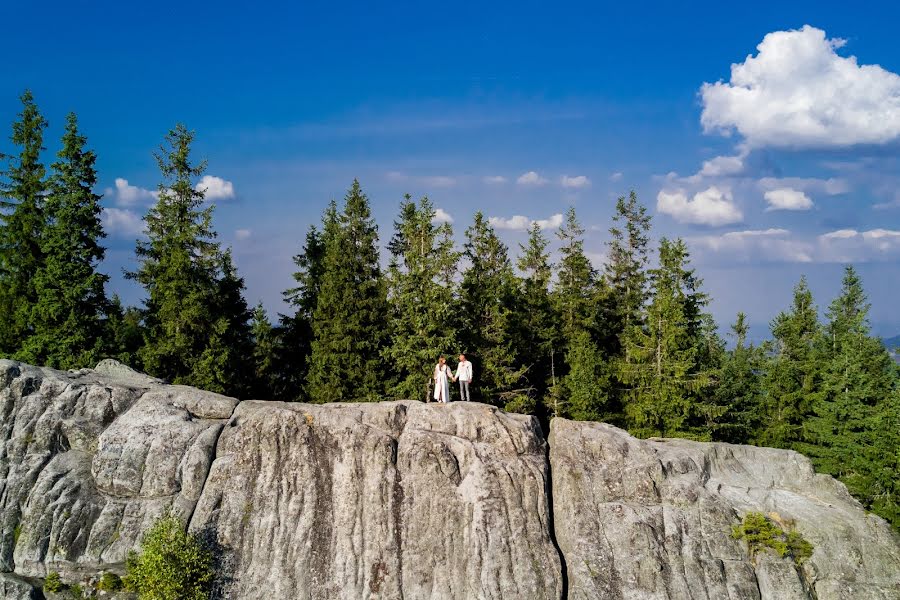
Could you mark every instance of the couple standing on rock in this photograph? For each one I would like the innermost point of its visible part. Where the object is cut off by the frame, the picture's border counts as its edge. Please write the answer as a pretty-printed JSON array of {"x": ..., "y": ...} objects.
[{"x": 443, "y": 375}]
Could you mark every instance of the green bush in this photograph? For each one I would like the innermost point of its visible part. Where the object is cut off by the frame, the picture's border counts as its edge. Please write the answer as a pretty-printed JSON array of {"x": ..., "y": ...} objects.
[
  {"x": 109, "y": 582},
  {"x": 53, "y": 583},
  {"x": 172, "y": 564},
  {"x": 760, "y": 532},
  {"x": 77, "y": 592}
]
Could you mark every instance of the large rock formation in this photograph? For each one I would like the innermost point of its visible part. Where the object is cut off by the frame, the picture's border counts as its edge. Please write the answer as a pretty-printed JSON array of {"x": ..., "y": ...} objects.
[{"x": 406, "y": 500}]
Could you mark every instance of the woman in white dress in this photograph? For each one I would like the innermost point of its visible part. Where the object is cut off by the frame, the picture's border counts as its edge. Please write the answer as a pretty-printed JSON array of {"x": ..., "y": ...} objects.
[{"x": 442, "y": 375}]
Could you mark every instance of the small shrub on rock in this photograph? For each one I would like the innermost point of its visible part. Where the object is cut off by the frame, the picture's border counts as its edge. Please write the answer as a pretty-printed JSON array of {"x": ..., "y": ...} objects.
[
  {"x": 172, "y": 564},
  {"x": 53, "y": 583},
  {"x": 109, "y": 582},
  {"x": 760, "y": 532}
]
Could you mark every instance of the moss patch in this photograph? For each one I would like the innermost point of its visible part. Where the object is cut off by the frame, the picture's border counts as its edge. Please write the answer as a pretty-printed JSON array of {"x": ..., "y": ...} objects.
[{"x": 761, "y": 532}]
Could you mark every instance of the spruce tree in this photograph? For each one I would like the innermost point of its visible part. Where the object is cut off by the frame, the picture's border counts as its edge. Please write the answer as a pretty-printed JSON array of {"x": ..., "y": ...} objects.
[
  {"x": 351, "y": 311},
  {"x": 421, "y": 306},
  {"x": 540, "y": 341},
  {"x": 852, "y": 413},
  {"x": 739, "y": 389},
  {"x": 265, "y": 353},
  {"x": 793, "y": 372},
  {"x": 488, "y": 312},
  {"x": 68, "y": 318},
  {"x": 626, "y": 268},
  {"x": 662, "y": 371},
  {"x": 584, "y": 392},
  {"x": 124, "y": 333},
  {"x": 22, "y": 224}
]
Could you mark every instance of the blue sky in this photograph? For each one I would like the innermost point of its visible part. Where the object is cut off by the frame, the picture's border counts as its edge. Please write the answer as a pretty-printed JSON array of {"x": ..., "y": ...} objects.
[{"x": 788, "y": 164}]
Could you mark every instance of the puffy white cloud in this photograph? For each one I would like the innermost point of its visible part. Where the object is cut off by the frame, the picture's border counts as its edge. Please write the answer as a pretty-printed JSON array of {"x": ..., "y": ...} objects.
[
  {"x": 832, "y": 186},
  {"x": 522, "y": 223},
  {"x": 576, "y": 182},
  {"x": 242, "y": 234},
  {"x": 125, "y": 194},
  {"x": 773, "y": 245},
  {"x": 787, "y": 199},
  {"x": 441, "y": 216},
  {"x": 713, "y": 206},
  {"x": 723, "y": 166},
  {"x": 799, "y": 92},
  {"x": 215, "y": 188},
  {"x": 122, "y": 222},
  {"x": 530, "y": 178},
  {"x": 494, "y": 179},
  {"x": 850, "y": 245}
]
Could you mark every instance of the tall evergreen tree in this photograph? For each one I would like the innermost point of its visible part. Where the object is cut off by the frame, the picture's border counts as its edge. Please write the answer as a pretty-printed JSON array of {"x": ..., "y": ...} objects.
[
  {"x": 487, "y": 307},
  {"x": 22, "y": 224},
  {"x": 196, "y": 321},
  {"x": 739, "y": 389},
  {"x": 68, "y": 318},
  {"x": 852, "y": 415},
  {"x": 351, "y": 311},
  {"x": 662, "y": 370},
  {"x": 265, "y": 354},
  {"x": 124, "y": 333},
  {"x": 421, "y": 307},
  {"x": 585, "y": 386},
  {"x": 626, "y": 267},
  {"x": 538, "y": 322},
  {"x": 793, "y": 372}
]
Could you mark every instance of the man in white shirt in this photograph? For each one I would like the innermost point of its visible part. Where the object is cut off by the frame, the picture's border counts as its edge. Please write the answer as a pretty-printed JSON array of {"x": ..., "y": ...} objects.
[{"x": 464, "y": 375}]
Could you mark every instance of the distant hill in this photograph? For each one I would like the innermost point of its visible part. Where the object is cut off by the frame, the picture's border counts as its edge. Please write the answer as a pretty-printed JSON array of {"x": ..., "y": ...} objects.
[{"x": 892, "y": 342}]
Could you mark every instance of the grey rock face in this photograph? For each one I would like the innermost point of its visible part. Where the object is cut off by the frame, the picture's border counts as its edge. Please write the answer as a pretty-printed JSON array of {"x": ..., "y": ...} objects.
[
  {"x": 405, "y": 500},
  {"x": 388, "y": 500},
  {"x": 652, "y": 518}
]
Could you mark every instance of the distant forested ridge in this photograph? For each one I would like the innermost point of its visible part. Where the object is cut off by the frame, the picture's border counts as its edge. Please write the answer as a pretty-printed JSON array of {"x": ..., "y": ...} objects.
[{"x": 631, "y": 342}]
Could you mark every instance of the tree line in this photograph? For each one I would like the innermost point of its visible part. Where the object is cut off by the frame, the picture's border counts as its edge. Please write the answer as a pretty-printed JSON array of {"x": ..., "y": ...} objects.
[{"x": 630, "y": 343}]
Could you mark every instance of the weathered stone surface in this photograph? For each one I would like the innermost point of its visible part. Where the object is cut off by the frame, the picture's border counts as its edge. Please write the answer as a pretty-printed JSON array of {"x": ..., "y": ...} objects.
[
  {"x": 90, "y": 459},
  {"x": 651, "y": 519},
  {"x": 13, "y": 587},
  {"x": 388, "y": 500}
]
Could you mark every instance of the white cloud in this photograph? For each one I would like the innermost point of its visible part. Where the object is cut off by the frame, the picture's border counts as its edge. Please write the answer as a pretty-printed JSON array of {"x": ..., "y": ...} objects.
[
  {"x": 395, "y": 176},
  {"x": 242, "y": 234},
  {"x": 798, "y": 92},
  {"x": 121, "y": 222},
  {"x": 441, "y": 216},
  {"x": 438, "y": 181},
  {"x": 787, "y": 199},
  {"x": 495, "y": 179},
  {"x": 617, "y": 176},
  {"x": 850, "y": 245},
  {"x": 551, "y": 223},
  {"x": 754, "y": 245},
  {"x": 576, "y": 182},
  {"x": 125, "y": 194},
  {"x": 832, "y": 186},
  {"x": 522, "y": 223},
  {"x": 723, "y": 166},
  {"x": 712, "y": 206},
  {"x": 530, "y": 178},
  {"x": 431, "y": 181},
  {"x": 215, "y": 188}
]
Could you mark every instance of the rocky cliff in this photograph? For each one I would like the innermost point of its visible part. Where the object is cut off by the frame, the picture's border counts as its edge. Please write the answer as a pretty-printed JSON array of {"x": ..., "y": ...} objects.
[{"x": 406, "y": 500}]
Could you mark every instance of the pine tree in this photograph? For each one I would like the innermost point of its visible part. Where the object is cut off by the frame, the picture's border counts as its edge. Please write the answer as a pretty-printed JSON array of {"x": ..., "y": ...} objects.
[
  {"x": 68, "y": 316},
  {"x": 852, "y": 415},
  {"x": 421, "y": 307},
  {"x": 739, "y": 389},
  {"x": 585, "y": 385},
  {"x": 538, "y": 325},
  {"x": 124, "y": 333},
  {"x": 487, "y": 306},
  {"x": 626, "y": 268},
  {"x": 662, "y": 370},
  {"x": 22, "y": 224},
  {"x": 351, "y": 311},
  {"x": 792, "y": 375},
  {"x": 265, "y": 354}
]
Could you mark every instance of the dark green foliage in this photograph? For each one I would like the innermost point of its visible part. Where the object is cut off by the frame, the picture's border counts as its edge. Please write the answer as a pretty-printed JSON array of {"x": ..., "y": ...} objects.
[
  {"x": 124, "y": 333},
  {"x": 172, "y": 564},
  {"x": 662, "y": 368},
  {"x": 66, "y": 325},
  {"x": 351, "y": 310},
  {"x": 792, "y": 378},
  {"x": 195, "y": 319},
  {"x": 265, "y": 351},
  {"x": 487, "y": 317},
  {"x": 739, "y": 389},
  {"x": 53, "y": 583},
  {"x": 109, "y": 582},
  {"x": 22, "y": 223},
  {"x": 421, "y": 303},
  {"x": 760, "y": 533}
]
